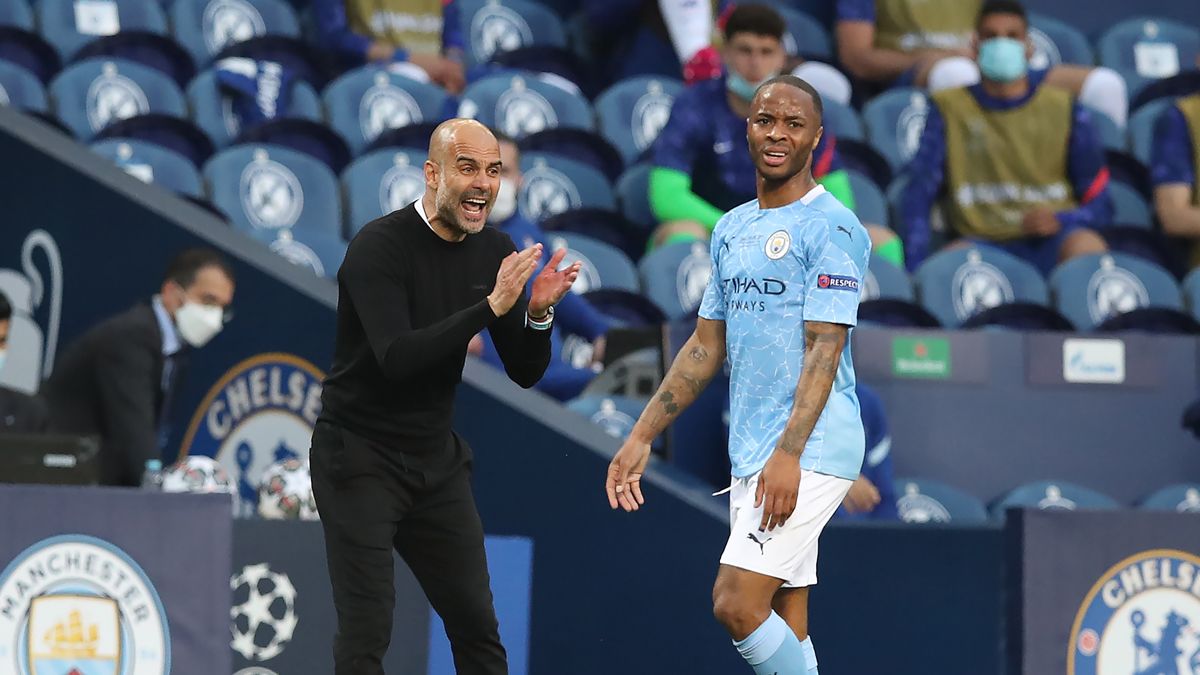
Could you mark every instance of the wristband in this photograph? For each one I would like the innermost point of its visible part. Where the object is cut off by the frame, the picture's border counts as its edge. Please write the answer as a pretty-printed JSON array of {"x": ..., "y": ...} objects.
[{"x": 544, "y": 323}]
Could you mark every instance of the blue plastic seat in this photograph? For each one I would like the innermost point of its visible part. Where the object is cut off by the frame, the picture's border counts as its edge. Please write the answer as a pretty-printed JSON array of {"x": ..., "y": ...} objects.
[
  {"x": 21, "y": 89},
  {"x": 1056, "y": 42},
  {"x": 920, "y": 501},
  {"x": 268, "y": 188},
  {"x": 206, "y": 27},
  {"x": 382, "y": 182},
  {"x": 320, "y": 252},
  {"x": 843, "y": 121},
  {"x": 895, "y": 120},
  {"x": 212, "y": 112},
  {"x": 554, "y": 184},
  {"x": 149, "y": 49},
  {"x": 604, "y": 266},
  {"x": 632, "y": 112},
  {"x": 614, "y": 414},
  {"x": 1129, "y": 207},
  {"x": 1180, "y": 498},
  {"x": 954, "y": 285},
  {"x": 674, "y": 277},
  {"x": 886, "y": 281},
  {"x": 152, "y": 164},
  {"x": 522, "y": 104},
  {"x": 69, "y": 25},
  {"x": 493, "y": 26},
  {"x": 90, "y": 95},
  {"x": 1052, "y": 495},
  {"x": 1089, "y": 290},
  {"x": 1141, "y": 127},
  {"x": 16, "y": 13},
  {"x": 1145, "y": 49},
  {"x": 633, "y": 196},
  {"x": 364, "y": 103},
  {"x": 869, "y": 203}
]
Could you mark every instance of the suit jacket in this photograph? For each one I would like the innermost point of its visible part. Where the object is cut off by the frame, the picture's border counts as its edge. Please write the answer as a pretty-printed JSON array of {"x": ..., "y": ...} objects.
[
  {"x": 109, "y": 383},
  {"x": 21, "y": 413}
]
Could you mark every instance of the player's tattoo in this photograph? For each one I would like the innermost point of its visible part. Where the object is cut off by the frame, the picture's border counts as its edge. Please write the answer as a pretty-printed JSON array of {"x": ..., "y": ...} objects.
[
  {"x": 823, "y": 344},
  {"x": 694, "y": 367},
  {"x": 698, "y": 353},
  {"x": 668, "y": 402}
]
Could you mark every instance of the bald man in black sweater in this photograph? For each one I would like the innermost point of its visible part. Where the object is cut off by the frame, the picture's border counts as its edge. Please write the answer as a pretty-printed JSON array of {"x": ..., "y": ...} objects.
[{"x": 388, "y": 471}]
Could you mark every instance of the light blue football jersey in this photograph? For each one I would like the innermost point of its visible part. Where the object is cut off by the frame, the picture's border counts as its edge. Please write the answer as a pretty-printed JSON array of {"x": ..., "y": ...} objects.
[{"x": 774, "y": 269}]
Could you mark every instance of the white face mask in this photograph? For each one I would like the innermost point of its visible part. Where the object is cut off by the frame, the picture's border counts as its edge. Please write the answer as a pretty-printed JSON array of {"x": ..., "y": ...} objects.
[
  {"x": 506, "y": 202},
  {"x": 198, "y": 324}
]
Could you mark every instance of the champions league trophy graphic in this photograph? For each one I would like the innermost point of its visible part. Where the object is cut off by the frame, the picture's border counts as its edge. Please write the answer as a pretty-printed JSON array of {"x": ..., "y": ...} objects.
[{"x": 27, "y": 292}]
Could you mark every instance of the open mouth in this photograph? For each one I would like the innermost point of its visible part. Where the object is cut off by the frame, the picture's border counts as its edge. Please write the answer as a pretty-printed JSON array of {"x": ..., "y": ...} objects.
[
  {"x": 474, "y": 206},
  {"x": 774, "y": 157}
]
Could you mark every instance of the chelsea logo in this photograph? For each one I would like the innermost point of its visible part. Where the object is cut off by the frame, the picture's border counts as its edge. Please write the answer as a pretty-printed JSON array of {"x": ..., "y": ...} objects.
[
  {"x": 262, "y": 411},
  {"x": 1142, "y": 616},
  {"x": 778, "y": 245}
]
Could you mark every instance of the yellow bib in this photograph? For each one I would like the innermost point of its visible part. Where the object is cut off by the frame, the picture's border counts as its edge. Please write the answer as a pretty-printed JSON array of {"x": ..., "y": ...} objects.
[
  {"x": 909, "y": 25},
  {"x": 415, "y": 25}
]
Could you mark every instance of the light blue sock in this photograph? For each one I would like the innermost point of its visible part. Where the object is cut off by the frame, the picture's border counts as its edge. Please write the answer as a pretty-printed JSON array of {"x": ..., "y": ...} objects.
[
  {"x": 773, "y": 649},
  {"x": 810, "y": 655}
]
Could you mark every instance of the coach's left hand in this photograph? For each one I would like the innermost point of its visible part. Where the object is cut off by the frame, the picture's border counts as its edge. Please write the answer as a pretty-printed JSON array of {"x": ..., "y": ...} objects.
[
  {"x": 778, "y": 486},
  {"x": 552, "y": 284}
]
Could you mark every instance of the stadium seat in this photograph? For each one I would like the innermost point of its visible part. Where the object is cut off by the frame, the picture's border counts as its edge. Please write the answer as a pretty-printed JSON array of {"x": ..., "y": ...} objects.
[
  {"x": 604, "y": 266},
  {"x": 1191, "y": 290},
  {"x": 586, "y": 147},
  {"x": 626, "y": 308},
  {"x": 1146, "y": 243},
  {"x": 30, "y": 51},
  {"x": 554, "y": 184},
  {"x": 522, "y": 104},
  {"x": 920, "y": 501},
  {"x": 804, "y": 36},
  {"x": 312, "y": 138},
  {"x": 268, "y": 188},
  {"x": 633, "y": 196},
  {"x": 895, "y": 120},
  {"x": 364, "y": 103},
  {"x": 886, "y": 281},
  {"x": 1129, "y": 207},
  {"x": 381, "y": 182},
  {"x": 206, "y": 27},
  {"x": 1110, "y": 134},
  {"x": 633, "y": 111},
  {"x": 152, "y": 164},
  {"x": 559, "y": 61},
  {"x": 165, "y": 131},
  {"x": 21, "y": 89},
  {"x": 843, "y": 121},
  {"x": 16, "y": 13},
  {"x": 1056, "y": 42},
  {"x": 411, "y": 137},
  {"x": 1141, "y": 127},
  {"x": 69, "y": 25},
  {"x": 888, "y": 299},
  {"x": 321, "y": 252},
  {"x": 869, "y": 203},
  {"x": 307, "y": 62},
  {"x": 492, "y": 26},
  {"x": 1089, "y": 290},
  {"x": 614, "y": 414},
  {"x": 91, "y": 94},
  {"x": 149, "y": 49},
  {"x": 604, "y": 225},
  {"x": 212, "y": 113},
  {"x": 674, "y": 277},
  {"x": 1145, "y": 49},
  {"x": 1020, "y": 316},
  {"x": 1185, "y": 83},
  {"x": 1052, "y": 495},
  {"x": 954, "y": 285},
  {"x": 862, "y": 157},
  {"x": 1181, "y": 498}
]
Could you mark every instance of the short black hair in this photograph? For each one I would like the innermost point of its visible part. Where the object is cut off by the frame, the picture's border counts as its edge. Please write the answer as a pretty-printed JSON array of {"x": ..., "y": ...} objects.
[
  {"x": 755, "y": 19},
  {"x": 802, "y": 85},
  {"x": 185, "y": 266},
  {"x": 1002, "y": 7},
  {"x": 5, "y": 308}
]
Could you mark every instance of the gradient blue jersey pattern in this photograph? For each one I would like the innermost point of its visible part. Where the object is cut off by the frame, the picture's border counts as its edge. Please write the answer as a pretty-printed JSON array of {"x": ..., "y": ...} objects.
[{"x": 773, "y": 270}]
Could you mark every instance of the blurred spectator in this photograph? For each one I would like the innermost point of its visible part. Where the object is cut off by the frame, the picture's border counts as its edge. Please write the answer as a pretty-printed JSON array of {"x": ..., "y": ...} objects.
[
  {"x": 1018, "y": 163},
  {"x": 573, "y": 314},
  {"x": 668, "y": 38},
  {"x": 424, "y": 33},
  {"x": 1173, "y": 170},
  {"x": 873, "y": 494},
  {"x": 19, "y": 412},
  {"x": 116, "y": 381},
  {"x": 701, "y": 166},
  {"x": 929, "y": 44}
]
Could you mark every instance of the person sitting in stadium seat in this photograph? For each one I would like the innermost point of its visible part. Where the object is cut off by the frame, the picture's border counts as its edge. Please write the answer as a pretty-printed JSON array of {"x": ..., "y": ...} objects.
[
  {"x": 424, "y": 33},
  {"x": 873, "y": 494},
  {"x": 19, "y": 412},
  {"x": 701, "y": 167},
  {"x": 1019, "y": 163},
  {"x": 1173, "y": 170},
  {"x": 929, "y": 44}
]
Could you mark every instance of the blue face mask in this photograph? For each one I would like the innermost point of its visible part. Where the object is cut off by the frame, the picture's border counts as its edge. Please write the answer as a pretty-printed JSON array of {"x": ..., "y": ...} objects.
[
  {"x": 1002, "y": 59},
  {"x": 740, "y": 87},
  {"x": 3, "y": 354}
]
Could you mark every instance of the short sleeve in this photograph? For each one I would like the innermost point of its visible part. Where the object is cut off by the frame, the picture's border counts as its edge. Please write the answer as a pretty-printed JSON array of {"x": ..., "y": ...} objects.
[
  {"x": 712, "y": 306},
  {"x": 1171, "y": 152},
  {"x": 678, "y": 144},
  {"x": 833, "y": 283}
]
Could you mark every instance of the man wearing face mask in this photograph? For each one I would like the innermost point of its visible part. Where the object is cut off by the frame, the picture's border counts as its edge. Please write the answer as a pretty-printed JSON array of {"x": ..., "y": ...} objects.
[
  {"x": 1017, "y": 163},
  {"x": 117, "y": 380},
  {"x": 19, "y": 412}
]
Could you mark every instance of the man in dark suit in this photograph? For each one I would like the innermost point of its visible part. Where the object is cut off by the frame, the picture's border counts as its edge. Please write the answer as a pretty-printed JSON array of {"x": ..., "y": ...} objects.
[
  {"x": 116, "y": 381},
  {"x": 19, "y": 412}
]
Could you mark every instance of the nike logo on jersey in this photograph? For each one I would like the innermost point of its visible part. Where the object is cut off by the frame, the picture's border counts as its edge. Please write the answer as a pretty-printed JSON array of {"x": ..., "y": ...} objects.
[
  {"x": 848, "y": 234},
  {"x": 761, "y": 544}
]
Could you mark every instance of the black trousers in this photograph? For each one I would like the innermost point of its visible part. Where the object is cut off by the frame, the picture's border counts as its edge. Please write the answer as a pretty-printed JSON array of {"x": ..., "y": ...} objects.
[{"x": 375, "y": 499}]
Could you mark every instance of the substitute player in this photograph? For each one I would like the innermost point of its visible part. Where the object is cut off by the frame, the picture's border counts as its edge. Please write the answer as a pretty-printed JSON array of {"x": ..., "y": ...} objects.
[{"x": 784, "y": 295}]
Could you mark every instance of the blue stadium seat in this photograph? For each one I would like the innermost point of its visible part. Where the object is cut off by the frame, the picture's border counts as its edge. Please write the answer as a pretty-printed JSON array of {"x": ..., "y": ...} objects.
[
  {"x": 888, "y": 299},
  {"x": 885, "y": 281},
  {"x": 1146, "y": 49},
  {"x": 149, "y": 49},
  {"x": 870, "y": 205},
  {"x": 321, "y": 252},
  {"x": 559, "y": 61},
  {"x": 633, "y": 195},
  {"x": 862, "y": 157},
  {"x": 1056, "y": 42},
  {"x": 895, "y": 120},
  {"x": 1141, "y": 127},
  {"x": 30, "y": 51},
  {"x": 1129, "y": 207},
  {"x": 675, "y": 276},
  {"x": 206, "y": 27},
  {"x": 523, "y": 104},
  {"x": 1052, "y": 495},
  {"x": 16, "y": 13},
  {"x": 411, "y": 137},
  {"x": 1110, "y": 134},
  {"x": 381, "y": 182},
  {"x": 1191, "y": 290},
  {"x": 304, "y": 60},
  {"x": 21, "y": 89},
  {"x": 586, "y": 147},
  {"x": 364, "y": 103},
  {"x": 921, "y": 501},
  {"x": 152, "y": 164},
  {"x": 626, "y": 308},
  {"x": 302, "y": 135},
  {"x": 804, "y": 36},
  {"x": 165, "y": 131},
  {"x": 554, "y": 184},
  {"x": 69, "y": 25},
  {"x": 267, "y": 188},
  {"x": 492, "y": 26},
  {"x": 1181, "y": 498},
  {"x": 955, "y": 285},
  {"x": 604, "y": 266},
  {"x": 1089, "y": 290},
  {"x": 212, "y": 112},
  {"x": 633, "y": 112},
  {"x": 843, "y": 121},
  {"x": 605, "y": 225},
  {"x": 614, "y": 414},
  {"x": 91, "y": 94}
]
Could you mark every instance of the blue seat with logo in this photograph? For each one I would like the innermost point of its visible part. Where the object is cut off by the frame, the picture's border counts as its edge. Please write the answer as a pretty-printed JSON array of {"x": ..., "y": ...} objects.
[
  {"x": 1141, "y": 127},
  {"x": 89, "y": 95},
  {"x": 21, "y": 88},
  {"x": 604, "y": 266},
  {"x": 366, "y": 102},
  {"x": 69, "y": 25},
  {"x": 1191, "y": 291},
  {"x": 633, "y": 111},
  {"x": 804, "y": 36},
  {"x": 1052, "y": 495},
  {"x": 149, "y": 49},
  {"x": 320, "y": 252},
  {"x": 633, "y": 196},
  {"x": 222, "y": 23},
  {"x": 1056, "y": 42},
  {"x": 166, "y": 131},
  {"x": 675, "y": 276},
  {"x": 604, "y": 225},
  {"x": 921, "y": 501},
  {"x": 1145, "y": 49},
  {"x": 1090, "y": 290},
  {"x": 381, "y": 182},
  {"x": 869, "y": 203},
  {"x": 525, "y": 103},
  {"x": 888, "y": 299},
  {"x": 843, "y": 121},
  {"x": 16, "y": 13},
  {"x": 1181, "y": 498},
  {"x": 895, "y": 120},
  {"x": 1129, "y": 207},
  {"x": 493, "y": 26},
  {"x": 554, "y": 184},
  {"x": 152, "y": 164},
  {"x": 585, "y": 147},
  {"x": 955, "y": 285},
  {"x": 614, "y": 414},
  {"x": 886, "y": 281},
  {"x": 30, "y": 51},
  {"x": 211, "y": 109},
  {"x": 265, "y": 188}
]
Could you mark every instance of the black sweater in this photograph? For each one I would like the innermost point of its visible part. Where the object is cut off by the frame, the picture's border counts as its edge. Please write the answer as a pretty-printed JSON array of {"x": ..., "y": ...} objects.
[{"x": 408, "y": 304}]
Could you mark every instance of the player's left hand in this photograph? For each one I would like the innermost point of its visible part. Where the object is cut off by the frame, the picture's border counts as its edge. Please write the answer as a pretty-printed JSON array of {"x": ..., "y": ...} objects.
[
  {"x": 862, "y": 497},
  {"x": 778, "y": 486},
  {"x": 552, "y": 283}
]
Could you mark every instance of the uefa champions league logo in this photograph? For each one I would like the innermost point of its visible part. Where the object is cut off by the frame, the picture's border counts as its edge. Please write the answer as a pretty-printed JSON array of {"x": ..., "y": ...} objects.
[{"x": 264, "y": 612}]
